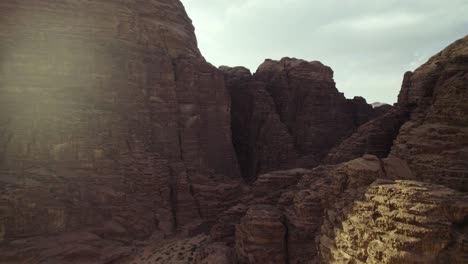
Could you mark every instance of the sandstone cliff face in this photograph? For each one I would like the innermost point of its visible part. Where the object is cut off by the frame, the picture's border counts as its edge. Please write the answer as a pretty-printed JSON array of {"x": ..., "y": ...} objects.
[
  {"x": 374, "y": 137},
  {"x": 373, "y": 209},
  {"x": 260, "y": 237},
  {"x": 308, "y": 103},
  {"x": 354, "y": 212},
  {"x": 113, "y": 129},
  {"x": 289, "y": 114},
  {"x": 261, "y": 140},
  {"x": 435, "y": 140},
  {"x": 396, "y": 222},
  {"x": 108, "y": 115},
  {"x": 361, "y": 111}
]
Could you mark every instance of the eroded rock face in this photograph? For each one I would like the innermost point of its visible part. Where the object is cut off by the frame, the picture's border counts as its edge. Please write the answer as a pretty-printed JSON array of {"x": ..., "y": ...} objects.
[
  {"x": 108, "y": 114},
  {"x": 361, "y": 110},
  {"x": 308, "y": 103},
  {"x": 397, "y": 222},
  {"x": 261, "y": 140},
  {"x": 435, "y": 140},
  {"x": 260, "y": 237},
  {"x": 354, "y": 212},
  {"x": 289, "y": 114},
  {"x": 374, "y": 137}
]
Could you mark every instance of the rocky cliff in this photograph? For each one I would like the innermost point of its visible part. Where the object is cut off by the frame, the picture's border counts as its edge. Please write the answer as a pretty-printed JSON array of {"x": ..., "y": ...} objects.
[
  {"x": 262, "y": 142},
  {"x": 116, "y": 147},
  {"x": 110, "y": 120},
  {"x": 389, "y": 208},
  {"x": 289, "y": 114},
  {"x": 434, "y": 142}
]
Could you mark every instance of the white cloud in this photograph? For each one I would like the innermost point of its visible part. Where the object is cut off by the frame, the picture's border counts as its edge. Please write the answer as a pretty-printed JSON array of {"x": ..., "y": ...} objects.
[{"x": 369, "y": 44}]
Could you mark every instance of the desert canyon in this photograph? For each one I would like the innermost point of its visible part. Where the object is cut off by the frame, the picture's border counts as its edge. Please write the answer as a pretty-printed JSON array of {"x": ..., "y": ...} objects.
[{"x": 120, "y": 143}]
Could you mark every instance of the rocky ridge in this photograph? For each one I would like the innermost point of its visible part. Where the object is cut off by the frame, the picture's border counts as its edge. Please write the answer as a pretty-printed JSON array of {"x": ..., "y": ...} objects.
[
  {"x": 372, "y": 209},
  {"x": 289, "y": 114},
  {"x": 125, "y": 144},
  {"x": 113, "y": 126}
]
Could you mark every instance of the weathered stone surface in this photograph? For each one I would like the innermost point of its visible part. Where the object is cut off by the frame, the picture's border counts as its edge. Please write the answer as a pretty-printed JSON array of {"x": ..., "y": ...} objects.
[
  {"x": 382, "y": 109},
  {"x": 305, "y": 207},
  {"x": 346, "y": 213},
  {"x": 289, "y": 114},
  {"x": 308, "y": 103},
  {"x": 361, "y": 110},
  {"x": 216, "y": 253},
  {"x": 66, "y": 248},
  {"x": 261, "y": 140},
  {"x": 374, "y": 137},
  {"x": 397, "y": 222},
  {"x": 108, "y": 112},
  {"x": 266, "y": 190},
  {"x": 435, "y": 140},
  {"x": 260, "y": 237}
]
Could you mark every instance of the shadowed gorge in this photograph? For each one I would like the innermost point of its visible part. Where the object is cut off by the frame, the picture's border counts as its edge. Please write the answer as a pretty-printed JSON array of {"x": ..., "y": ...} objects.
[{"x": 120, "y": 143}]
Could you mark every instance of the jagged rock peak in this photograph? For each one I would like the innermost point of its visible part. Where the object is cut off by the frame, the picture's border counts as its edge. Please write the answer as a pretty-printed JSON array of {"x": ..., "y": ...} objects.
[
  {"x": 435, "y": 140},
  {"x": 299, "y": 67},
  {"x": 238, "y": 70},
  {"x": 418, "y": 86}
]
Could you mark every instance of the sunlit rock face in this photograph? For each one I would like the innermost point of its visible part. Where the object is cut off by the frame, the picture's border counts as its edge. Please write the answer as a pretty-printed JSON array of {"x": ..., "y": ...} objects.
[
  {"x": 407, "y": 203},
  {"x": 108, "y": 114}
]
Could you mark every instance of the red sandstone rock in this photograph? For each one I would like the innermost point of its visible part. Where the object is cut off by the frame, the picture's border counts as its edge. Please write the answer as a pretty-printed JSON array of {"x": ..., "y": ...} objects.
[
  {"x": 435, "y": 140},
  {"x": 308, "y": 103},
  {"x": 262, "y": 141},
  {"x": 396, "y": 222},
  {"x": 288, "y": 114},
  {"x": 260, "y": 237},
  {"x": 108, "y": 112},
  {"x": 361, "y": 110},
  {"x": 374, "y": 137}
]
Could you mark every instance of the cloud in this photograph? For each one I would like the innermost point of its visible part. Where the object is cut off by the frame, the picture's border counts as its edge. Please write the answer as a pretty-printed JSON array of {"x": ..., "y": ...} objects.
[{"x": 369, "y": 44}]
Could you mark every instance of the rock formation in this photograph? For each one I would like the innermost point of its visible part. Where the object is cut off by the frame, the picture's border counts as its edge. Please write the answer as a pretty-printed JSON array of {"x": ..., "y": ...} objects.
[
  {"x": 260, "y": 237},
  {"x": 370, "y": 209},
  {"x": 262, "y": 141},
  {"x": 115, "y": 135},
  {"x": 397, "y": 222},
  {"x": 109, "y": 116},
  {"x": 435, "y": 140},
  {"x": 289, "y": 114},
  {"x": 361, "y": 111},
  {"x": 374, "y": 137}
]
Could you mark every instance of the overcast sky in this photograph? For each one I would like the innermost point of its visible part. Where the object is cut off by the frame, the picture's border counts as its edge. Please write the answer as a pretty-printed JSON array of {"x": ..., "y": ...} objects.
[{"x": 368, "y": 43}]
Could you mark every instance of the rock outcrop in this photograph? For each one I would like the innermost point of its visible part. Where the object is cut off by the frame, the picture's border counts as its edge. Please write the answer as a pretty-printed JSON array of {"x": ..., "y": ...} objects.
[
  {"x": 115, "y": 134},
  {"x": 435, "y": 140},
  {"x": 261, "y": 140},
  {"x": 354, "y": 212},
  {"x": 397, "y": 222},
  {"x": 376, "y": 208},
  {"x": 374, "y": 137},
  {"x": 289, "y": 114},
  {"x": 308, "y": 103},
  {"x": 361, "y": 111},
  {"x": 109, "y": 115},
  {"x": 260, "y": 236}
]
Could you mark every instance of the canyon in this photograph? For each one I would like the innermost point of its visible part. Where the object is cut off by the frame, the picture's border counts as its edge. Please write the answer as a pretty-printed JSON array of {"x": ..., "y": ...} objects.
[{"x": 120, "y": 143}]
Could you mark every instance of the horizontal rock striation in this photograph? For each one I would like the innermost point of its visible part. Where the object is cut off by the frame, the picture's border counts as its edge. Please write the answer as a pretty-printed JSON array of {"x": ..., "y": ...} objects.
[
  {"x": 289, "y": 114},
  {"x": 397, "y": 221},
  {"x": 374, "y": 137},
  {"x": 109, "y": 115},
  {"x": 261, "y": 140},
  {"x": 373, "y": 209},
  {"x": 435, "y": 140}
]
